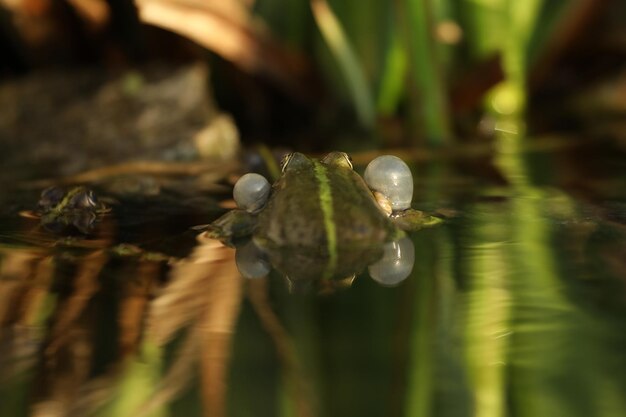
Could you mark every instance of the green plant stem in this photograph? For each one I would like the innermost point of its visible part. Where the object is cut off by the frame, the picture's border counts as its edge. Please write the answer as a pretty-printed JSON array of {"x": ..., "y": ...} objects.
[
  {"x": 337, "y": 41},
  {"x": 425, "y": 70}
]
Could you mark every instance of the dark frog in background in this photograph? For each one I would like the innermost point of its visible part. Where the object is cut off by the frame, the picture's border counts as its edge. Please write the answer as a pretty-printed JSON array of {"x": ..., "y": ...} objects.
[
  {"x": 321, "y": 220},
  {"x": 61, "y": 210}
]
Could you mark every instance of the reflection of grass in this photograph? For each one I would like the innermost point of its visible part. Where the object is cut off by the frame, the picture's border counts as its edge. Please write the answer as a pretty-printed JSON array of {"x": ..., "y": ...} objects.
[
  {"x": 136, "y": 384},
  {"x": 529, "y": 350},
  {"x": 556, "y": 351},
  {"x": 295, "y": 392},
  {"x": 488, "y": 310},
  {"x": 419, "y": 390},
  {"x": 14, "y": 395}
]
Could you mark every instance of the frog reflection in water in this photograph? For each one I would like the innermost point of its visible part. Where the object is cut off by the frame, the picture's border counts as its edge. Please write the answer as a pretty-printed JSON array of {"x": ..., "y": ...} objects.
[
  {"x": 320, "y": 219},
  {"x": 60, "y": 210}
]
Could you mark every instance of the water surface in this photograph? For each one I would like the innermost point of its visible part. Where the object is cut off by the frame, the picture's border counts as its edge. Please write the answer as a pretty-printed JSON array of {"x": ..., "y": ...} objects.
[{"x": 515, "y": 307}]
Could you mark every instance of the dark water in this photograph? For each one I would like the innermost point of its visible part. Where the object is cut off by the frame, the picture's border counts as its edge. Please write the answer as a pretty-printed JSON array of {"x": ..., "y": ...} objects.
[{"x": 515, "y": 307}]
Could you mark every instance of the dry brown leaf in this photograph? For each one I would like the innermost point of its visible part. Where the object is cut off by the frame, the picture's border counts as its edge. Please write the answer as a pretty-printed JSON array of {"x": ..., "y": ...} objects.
[
  {"x": 37, "y": 293},
  {"x": 205, "y": 294},
  {"x": 134, "y": 304},
  {"x": 191, "y": 289},
  {"x": 217, "y": 329},
  {"x": 86, "y": 285},
  {"x": 229, "y": 29},
  {"x": 95, "y": 13},
  {"x": 16, "y": 270}
]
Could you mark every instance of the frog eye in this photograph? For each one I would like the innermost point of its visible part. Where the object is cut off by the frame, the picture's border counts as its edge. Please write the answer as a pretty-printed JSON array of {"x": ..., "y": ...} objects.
[
  {"x": 294, "y": 160},
  {"x": 338, "y": 159},
  {"x": 251, "y": 192},
  {"x": 50, "y": 197},
  {"x": 285, "y": 161},
  {"x": 348, "y": 159},
  {"x": 82, "y": 200},
  {"x": 391, "y": 176}
]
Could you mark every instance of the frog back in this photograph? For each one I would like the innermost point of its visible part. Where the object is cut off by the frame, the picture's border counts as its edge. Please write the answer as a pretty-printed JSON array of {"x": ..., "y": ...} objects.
[
  {"x": 315, "y": 205},
  {"x": 290, "y": 216},
  {"x": 358, "y": 219}
]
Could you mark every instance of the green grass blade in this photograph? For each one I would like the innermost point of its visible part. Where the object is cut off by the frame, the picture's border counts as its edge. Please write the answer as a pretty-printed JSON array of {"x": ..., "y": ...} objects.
[
  {"x": 335, "y": 37},
  {"x": 393, "y": 77},
  {"x": 425, "y": 70}
]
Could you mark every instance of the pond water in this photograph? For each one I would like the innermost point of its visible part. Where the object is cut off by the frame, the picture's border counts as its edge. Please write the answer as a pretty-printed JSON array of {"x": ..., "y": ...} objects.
[{"x": 515, "y": 306}]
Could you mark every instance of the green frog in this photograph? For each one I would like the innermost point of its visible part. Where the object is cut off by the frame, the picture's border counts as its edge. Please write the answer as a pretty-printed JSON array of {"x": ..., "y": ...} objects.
[{"x": 319, "y": 217}]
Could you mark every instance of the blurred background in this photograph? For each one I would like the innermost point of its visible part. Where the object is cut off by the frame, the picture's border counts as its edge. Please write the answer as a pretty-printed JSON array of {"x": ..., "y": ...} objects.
[
  {"x": 364, "y": 73},
  {"x": 511, "y": 115}
]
